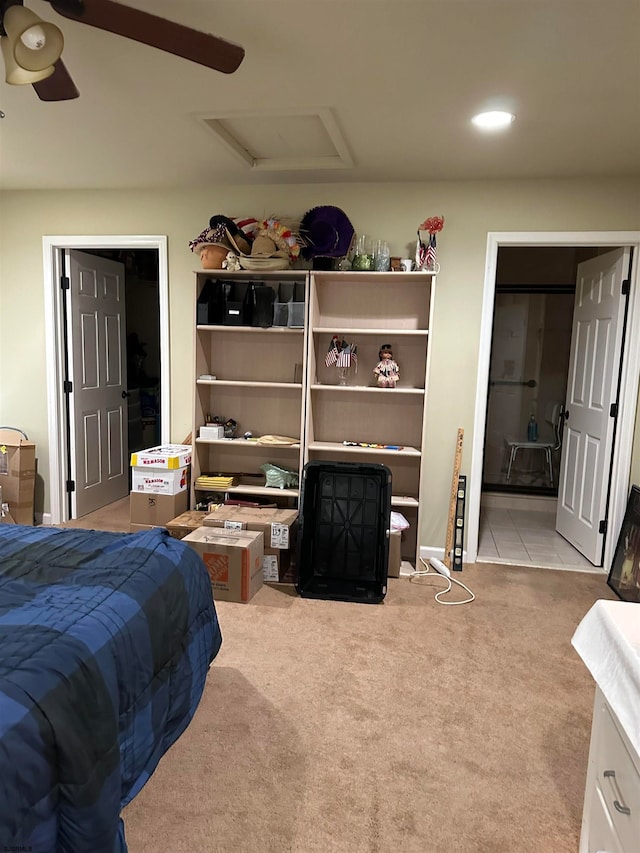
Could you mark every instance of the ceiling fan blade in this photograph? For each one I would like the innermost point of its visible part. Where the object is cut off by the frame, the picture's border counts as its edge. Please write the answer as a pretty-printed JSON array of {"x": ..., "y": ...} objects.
[
  {"x": 196, "y": 46},
  {"x": 58, "y": 87}
]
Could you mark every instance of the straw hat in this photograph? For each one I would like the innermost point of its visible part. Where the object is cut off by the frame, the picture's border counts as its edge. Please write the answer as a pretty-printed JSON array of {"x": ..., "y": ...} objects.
[
  {"x": 274, "y": 247},
  {"x": 222, "y": 232}
]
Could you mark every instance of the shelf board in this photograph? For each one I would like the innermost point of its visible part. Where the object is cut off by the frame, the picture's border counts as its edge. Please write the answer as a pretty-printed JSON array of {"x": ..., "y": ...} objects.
[
  {"x": 249, "y": 384},
  {"x": 405, "y": 501},
  {"x": 254, "y": 490},
  {"x": 253, "y": 274},
  {"x": 407, "y": 568},
  {"x": 369, "y": 388},
  {"x": 257, "y": 330},
  {"x": 338, "y": 447},
  {"x": 352, "y": 330},
  {"x": 359, "y": 275},
  {"x": 247, "y": 444}
]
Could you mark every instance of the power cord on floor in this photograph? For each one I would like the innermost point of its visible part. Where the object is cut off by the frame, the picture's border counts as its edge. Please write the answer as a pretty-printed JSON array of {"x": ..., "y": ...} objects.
[{"x": 441, "y": 571}]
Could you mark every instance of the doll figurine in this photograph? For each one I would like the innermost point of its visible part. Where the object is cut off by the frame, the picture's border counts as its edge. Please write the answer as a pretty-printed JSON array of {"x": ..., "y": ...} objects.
[{"x": 386, "y": 369}]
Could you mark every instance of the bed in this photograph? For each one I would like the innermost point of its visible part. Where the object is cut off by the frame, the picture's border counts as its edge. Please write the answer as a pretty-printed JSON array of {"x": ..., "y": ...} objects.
[{"x": 105, "y": 644}]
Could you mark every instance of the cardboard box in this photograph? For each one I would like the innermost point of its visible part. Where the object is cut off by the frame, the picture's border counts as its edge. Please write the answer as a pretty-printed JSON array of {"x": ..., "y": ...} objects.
[
  {"x": 211, "y": 432},
  {"x": 5, "y": 515},
  {"x": 156, "y": 510},
  {"x": 186, "y": 523},
  {"x": 233, "y": 559},
  {"x": 169, "y": 456},
  {"x": 159, "y": 481},
  {"x": 17, "y": 474},
  {"x": 279, "y": 528},
  {"x": 279, "y": 566},
  {"x": 395, "y": 556}
]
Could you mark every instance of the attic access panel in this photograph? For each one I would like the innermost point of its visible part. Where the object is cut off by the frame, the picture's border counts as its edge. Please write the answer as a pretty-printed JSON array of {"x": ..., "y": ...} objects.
[{"x": 296, "y": 140}]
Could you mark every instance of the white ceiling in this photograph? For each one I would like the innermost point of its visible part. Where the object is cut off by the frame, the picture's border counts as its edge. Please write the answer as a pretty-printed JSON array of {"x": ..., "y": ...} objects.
[{"x": 399, "y": 79}]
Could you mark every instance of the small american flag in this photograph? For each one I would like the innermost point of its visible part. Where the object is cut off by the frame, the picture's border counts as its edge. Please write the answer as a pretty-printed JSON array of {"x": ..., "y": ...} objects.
[
  {"x": 344, "y": 358},
  {"x": 348, "y": 356},
  {"x": 332, "y": 353},
  {"x": 430, "y": 257}
]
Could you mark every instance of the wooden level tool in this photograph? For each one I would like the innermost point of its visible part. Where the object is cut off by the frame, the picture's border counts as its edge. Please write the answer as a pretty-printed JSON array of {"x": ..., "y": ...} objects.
[{"x": 448, "y": 548}]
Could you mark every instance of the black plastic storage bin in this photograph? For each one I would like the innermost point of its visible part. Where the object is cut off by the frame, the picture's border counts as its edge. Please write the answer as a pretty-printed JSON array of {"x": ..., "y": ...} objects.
[
  {"x": 210, "y": 304},
  {"x": 343, "y": 539},
  {"x": 238, "y": 309}
]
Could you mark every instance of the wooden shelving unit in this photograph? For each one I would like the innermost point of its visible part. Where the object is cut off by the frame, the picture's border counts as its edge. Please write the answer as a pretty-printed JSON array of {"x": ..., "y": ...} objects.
[
  {"x": 275, "y": 381},
  {"x": 259, "y": 383},
  {"x": 371, "y": 309}
]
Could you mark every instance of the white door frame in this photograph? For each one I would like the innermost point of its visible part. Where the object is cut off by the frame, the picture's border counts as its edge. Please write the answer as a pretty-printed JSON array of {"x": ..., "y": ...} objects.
[
  {"x": 54, "y": 353},
  {"x": 621, "y": 461}
]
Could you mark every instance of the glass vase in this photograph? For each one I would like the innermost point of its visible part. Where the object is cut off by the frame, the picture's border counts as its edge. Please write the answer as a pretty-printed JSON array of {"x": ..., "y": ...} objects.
[{"x": 343, "y": 375}]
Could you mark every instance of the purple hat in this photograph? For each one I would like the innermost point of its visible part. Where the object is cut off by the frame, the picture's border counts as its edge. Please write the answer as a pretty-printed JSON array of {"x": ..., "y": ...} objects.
[{"x": 327, "y": 232}]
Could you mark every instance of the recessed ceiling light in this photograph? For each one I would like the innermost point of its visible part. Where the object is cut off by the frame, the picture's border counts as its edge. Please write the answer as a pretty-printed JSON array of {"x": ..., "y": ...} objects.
[{"x": 493, "y": 120}]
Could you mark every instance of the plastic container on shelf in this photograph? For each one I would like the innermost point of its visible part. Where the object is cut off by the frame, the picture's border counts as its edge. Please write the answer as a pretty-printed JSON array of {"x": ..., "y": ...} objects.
[{"x": 295, "y": 319}]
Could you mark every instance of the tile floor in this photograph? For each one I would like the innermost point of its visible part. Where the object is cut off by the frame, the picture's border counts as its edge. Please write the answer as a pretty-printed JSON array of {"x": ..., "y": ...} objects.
[{"x": 526, "y": 537}]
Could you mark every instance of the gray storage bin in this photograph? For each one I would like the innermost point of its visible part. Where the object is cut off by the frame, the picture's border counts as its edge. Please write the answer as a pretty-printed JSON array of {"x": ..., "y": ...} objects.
[
  {"x": 280, "y": 313},
  {"x": 296, "y": 315}
]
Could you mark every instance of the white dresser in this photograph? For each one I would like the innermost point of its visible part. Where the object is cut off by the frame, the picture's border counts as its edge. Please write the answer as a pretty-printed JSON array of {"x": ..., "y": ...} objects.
[{"x": 608, "y": 641}]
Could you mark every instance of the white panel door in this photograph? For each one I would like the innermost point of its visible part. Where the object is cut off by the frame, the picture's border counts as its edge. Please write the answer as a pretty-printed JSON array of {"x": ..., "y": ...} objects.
[
  {"x": 594, "y": 365},
  {"x": 98, "y": 415}
]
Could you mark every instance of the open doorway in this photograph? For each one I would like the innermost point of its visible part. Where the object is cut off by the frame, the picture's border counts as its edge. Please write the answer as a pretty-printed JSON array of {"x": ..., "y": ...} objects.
[
  {"x": 530, "y": 346},
  {"x": 528, "y": 376},
  {"x": 144, "y": 262},
  {"x": 625, "y": 375},
  {"x": 141, "y": 280}
]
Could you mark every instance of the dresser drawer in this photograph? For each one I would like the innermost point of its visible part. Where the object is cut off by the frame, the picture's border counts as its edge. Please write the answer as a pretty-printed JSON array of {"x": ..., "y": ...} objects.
[
  {"x": 602, "y": 835},
  {"x": 618, "y": 780}
]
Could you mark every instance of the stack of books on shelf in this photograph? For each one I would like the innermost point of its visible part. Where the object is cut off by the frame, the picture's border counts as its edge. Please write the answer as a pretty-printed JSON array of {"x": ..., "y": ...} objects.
[{"x": 216, "y": 482}]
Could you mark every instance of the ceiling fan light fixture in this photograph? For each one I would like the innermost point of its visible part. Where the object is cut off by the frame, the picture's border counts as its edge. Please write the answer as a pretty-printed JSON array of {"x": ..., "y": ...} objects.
[
  {"x": 493, "y": 120},
  {"x": 14, "y": 74},
  {"x": 36, "y": 44}
]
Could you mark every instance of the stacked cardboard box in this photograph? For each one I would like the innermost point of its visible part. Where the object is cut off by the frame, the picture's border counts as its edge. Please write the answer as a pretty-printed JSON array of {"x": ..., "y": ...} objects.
[
  {"x": 279, "y": 528},
  {"x": 5, "y": 515},
  {"x": 185, "y": 523},
  {"x": 17, "y": 474},
  {"x": 233, "y": 559},
  {"x": 159, "y": 485}
]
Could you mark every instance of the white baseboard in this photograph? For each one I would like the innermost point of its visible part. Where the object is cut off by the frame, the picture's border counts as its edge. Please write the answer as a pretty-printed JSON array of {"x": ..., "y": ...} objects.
[{"x": 43, "y": 518}]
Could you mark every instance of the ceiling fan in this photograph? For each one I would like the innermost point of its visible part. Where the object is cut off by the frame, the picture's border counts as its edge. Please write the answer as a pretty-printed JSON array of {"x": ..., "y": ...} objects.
[{"x": 32, "y": 47}]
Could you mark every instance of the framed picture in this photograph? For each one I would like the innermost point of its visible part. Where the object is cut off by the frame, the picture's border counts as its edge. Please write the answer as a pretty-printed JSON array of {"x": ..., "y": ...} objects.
[{"x": 624, "y": 577}]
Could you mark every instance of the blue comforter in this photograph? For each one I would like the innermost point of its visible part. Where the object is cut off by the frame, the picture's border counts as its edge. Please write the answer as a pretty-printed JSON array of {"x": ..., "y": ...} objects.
[{"x": 105, "y": 644}]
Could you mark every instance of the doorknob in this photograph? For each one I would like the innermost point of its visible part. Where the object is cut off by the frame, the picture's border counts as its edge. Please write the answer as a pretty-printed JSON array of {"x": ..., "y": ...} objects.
[
  {"x": 125, "y": 394},
  {"x": 566, "y": 414}
]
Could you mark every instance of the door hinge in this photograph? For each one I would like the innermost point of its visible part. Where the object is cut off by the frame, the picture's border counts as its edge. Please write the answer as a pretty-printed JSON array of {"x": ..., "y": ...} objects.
[
  {"x": 602, "y": 527},
  {"x": 67, "y": 387},
  {"x": 65, "y": 282},
  {"x": 71, "y": 485},
  {"x": 625, "y": 287},
  {"x": 613, "y": 411}
]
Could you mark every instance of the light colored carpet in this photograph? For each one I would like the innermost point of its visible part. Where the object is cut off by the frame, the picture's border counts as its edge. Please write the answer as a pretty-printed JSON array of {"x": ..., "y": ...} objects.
[{"x": 407, "y": 726}]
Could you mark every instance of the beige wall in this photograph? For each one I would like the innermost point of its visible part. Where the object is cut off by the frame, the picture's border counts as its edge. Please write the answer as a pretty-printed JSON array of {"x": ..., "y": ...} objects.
[{"x": 389, "y": 211}]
